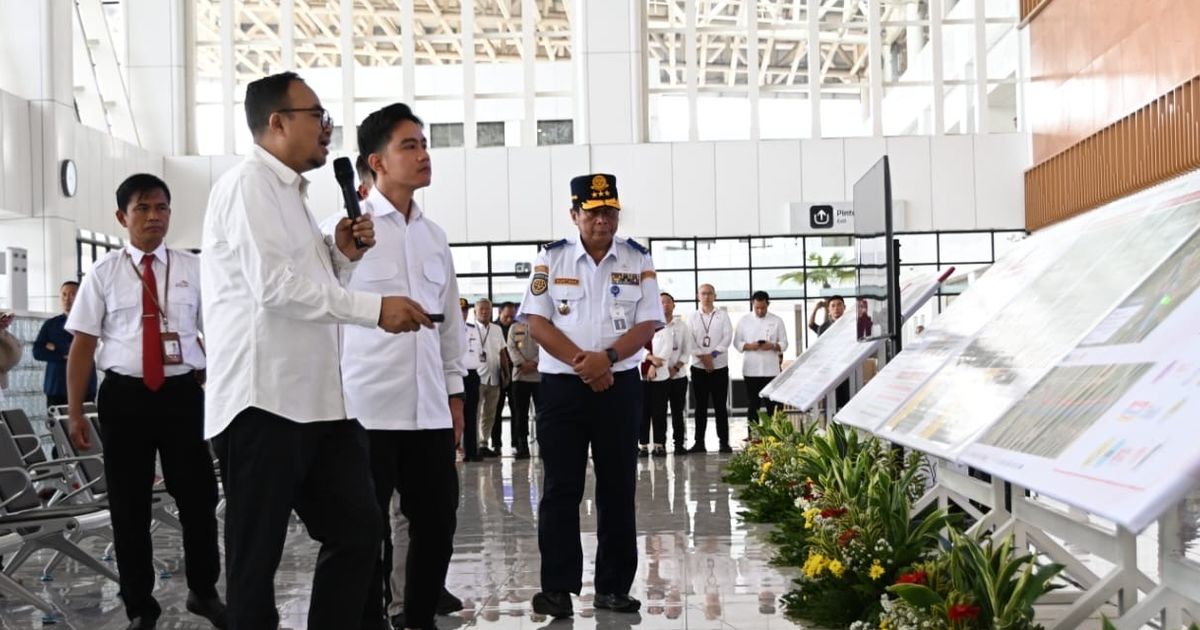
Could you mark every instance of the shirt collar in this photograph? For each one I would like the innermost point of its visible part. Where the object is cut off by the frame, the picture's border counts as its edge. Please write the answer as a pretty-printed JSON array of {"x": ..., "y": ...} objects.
[
  {"x": 137, "y": 254},
  {"x": 381, "y": 206},
  {"x": 284, "y": 172},
  {"x": 581, "y": 251}
]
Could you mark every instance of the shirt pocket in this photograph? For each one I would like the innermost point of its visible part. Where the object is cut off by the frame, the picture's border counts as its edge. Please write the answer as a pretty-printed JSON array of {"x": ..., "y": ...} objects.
[
  {"x": 123, "y": 316},
  {"x": 434, "y": 286},
  {"x": 569, "y": 298},
  {"x": 182, "y": 306},
  {"x": 375, "y": 271}
]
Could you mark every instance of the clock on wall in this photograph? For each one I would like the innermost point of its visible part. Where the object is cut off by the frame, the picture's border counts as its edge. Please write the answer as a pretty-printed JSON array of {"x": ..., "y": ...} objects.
[{"x": 68, "y": 177}]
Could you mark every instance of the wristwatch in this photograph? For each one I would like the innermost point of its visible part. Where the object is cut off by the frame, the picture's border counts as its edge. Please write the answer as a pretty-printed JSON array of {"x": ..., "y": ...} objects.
[{"x": 612, "y": 356}]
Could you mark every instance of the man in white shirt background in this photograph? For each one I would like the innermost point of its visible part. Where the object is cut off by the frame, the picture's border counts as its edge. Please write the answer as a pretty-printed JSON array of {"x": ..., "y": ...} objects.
[
  {"x": 761, "y": 337},
  {"x": 711, "y": 333},
  {"x": 407, "y": 390},
  {"x": 491, "y": 372},
  {"x": 470, "y": 439},
  {"x": 273, "y": 296},
  {"x": 677, "y": 373}
]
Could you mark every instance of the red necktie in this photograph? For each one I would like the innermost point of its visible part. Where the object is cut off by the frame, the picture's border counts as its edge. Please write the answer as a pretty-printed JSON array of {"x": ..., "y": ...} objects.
[{"x": 152, "y": 348}]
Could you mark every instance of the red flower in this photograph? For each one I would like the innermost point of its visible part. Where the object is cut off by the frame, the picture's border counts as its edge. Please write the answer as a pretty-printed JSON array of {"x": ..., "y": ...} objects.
[
  {"x": 915, "y": 577},
  {"x": 846, "y": 537},
  {"x": 960, "y": 612},
  {"x": 833, "y": 512}
]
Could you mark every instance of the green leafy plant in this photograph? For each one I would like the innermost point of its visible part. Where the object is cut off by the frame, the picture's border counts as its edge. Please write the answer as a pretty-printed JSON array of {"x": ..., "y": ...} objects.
[{"x": 824, "y": 272}]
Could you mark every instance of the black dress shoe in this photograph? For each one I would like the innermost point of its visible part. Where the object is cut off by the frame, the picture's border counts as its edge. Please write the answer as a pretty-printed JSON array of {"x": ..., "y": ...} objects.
[
  {"x": 522, "y": 454},
  {"x": 725, "y": 448},
  {"x": 487, "y": 452},
  {"x": 680, "y": 449},
  {"x": 211, "y": 608},
  {"x": 659, "y": 451},
  {"x": 398, "y": 622},
  {"x": 557, "y": 605},
  {"x": 448, "y": 603},
  {"x": 142, "y": 623},
  {"x": 616, "y": 603},
  {"x": 697, "y": 448}
]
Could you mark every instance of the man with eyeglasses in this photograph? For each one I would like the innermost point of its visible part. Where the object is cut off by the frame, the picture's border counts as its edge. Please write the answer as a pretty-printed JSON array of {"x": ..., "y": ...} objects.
[
  {"x": 592, "y": 304},
  {"x": 273, "y": 291}
]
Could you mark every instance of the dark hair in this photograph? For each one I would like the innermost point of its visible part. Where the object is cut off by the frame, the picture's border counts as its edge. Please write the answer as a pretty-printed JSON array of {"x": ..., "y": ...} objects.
[
  {"x": 838, "y": 298},
  {"x": 71, "y": 283},
  {"x": 760, "y": 296},
  {"x": 266, "y": 96},
  {"x": 376, "y": 130},
  {"x": 363, "y": 167},
  {"x": 504, "y": 305},
  {"x": 668, "y": 295},
  {"x": 138, "y": 184}
]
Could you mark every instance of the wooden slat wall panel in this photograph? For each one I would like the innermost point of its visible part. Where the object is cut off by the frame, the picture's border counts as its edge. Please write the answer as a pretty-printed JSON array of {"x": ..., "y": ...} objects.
[
  {"x": 1029, "y": 8},
  {"x": 1147, "y": 147}
]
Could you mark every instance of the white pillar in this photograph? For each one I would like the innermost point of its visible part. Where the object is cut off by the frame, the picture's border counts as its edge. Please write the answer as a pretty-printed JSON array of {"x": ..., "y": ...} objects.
[
  {"x": 156, "y": 70},
  {"x": 613, "y": 61}
]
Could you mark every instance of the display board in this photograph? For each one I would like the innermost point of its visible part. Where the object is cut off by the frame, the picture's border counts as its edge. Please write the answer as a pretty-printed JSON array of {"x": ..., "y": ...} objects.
[
  {"x": 835, "y": 354},
  {"x": 1072, "y": 368}
]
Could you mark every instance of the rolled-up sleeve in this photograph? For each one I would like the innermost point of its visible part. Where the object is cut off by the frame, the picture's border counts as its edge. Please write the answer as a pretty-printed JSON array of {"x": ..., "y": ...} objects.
[{"x": 649, "y": 308}]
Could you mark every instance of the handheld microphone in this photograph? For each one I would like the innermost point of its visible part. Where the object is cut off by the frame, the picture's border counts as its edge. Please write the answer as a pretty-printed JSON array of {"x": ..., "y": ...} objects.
[{"x": 344, "y": 172}]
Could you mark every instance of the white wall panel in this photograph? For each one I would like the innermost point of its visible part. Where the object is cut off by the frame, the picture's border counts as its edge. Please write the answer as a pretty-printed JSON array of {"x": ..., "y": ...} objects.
[
  {"x": 529, "y": 193},
  {"x": 694, "y": 167},
  {"x": 607, "y": 25},
  {"x": 606, "y": 119},
  {"x": 446, "y": 197},
  {"x": 780, "y": 182},
  {"x": 953, "y": 167},
  {"x": 645, "y": 193},
  {"x": 1000, "y": 188},
  {"x": 566, "y": 161},
  {"x": 908, "y": 158},
  {"x": 188, "y": 177},
  {"x": 736, "y": 188},
  {"x": 487, "y": 195},
  {"x": 861, "y": 154},
  {"x": 824, "y": 177}
]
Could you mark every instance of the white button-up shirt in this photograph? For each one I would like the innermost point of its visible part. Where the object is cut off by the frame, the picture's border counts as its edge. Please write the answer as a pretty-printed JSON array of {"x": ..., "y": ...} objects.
[
  {"x": 273, "y": 297},
  {"x": 752, "y": 328},
  {"x": 682, "y": 351},
  {"x": 471, "y": 355},
  {"x": 401, "y": 382},
  {"x": 583, "y": 299},
  {"x": 664, "y": 347},
  {"x": 715, "y": 329},
  {"x": 109, "y": 306},
  {"x": 491, "y": 344}
]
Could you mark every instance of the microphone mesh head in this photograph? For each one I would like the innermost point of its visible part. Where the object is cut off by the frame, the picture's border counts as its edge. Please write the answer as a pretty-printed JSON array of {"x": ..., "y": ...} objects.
[{"x": 343, "y": 170}]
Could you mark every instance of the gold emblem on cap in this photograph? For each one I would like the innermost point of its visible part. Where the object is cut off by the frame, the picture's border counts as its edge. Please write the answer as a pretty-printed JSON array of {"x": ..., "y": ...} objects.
[{"x": 599, "y": 183}]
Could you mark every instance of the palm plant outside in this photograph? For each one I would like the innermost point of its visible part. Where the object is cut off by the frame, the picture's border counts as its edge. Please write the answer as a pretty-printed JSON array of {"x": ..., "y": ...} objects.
[{"x": 822, "y": 271}]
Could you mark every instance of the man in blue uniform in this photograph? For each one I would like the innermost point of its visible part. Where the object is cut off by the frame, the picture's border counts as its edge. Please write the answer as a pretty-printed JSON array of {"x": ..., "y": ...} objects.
[
  {"x": 592, "y": 304},
  {"x": 53, "y": 345}
]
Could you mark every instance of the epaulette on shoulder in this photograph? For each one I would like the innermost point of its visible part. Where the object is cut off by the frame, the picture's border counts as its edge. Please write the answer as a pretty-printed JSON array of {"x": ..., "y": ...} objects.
[
  {"x": 636, "y": 245},
  {"x": 555, "y": 244}
]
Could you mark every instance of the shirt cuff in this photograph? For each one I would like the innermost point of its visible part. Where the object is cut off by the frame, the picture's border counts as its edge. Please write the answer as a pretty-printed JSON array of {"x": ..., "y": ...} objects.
[
  {"x": 366, "y": 308},
  {"x": 454, "y": 384}
]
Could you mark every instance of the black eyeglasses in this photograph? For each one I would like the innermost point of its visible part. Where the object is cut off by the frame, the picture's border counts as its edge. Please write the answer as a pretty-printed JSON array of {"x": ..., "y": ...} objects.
[{"x": 326, "y": 118}]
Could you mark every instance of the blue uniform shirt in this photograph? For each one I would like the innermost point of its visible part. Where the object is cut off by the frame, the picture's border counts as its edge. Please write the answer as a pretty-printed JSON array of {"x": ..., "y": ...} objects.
[{"x": 54, "y": 333}]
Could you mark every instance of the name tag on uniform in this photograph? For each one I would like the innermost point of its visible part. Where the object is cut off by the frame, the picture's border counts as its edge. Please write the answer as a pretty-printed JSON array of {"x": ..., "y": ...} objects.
[
  {"x": 626, "y": 278},
  {"x": 619, "y": 322},
  {"x": 172, "y": 348}
]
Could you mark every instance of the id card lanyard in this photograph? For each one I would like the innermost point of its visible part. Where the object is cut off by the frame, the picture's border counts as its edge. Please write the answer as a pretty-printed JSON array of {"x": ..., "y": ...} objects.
[{"x": 172, "y": 347}]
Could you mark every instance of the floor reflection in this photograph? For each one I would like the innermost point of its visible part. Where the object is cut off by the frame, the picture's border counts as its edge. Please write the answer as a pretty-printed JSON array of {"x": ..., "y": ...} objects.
[{"x": 699, "y": 566}]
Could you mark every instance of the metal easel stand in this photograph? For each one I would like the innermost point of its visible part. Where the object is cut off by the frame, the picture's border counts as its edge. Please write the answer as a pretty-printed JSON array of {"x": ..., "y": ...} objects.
[
  {"x": 951, "y": 487},
  {"x": 1175, "y": 601}
]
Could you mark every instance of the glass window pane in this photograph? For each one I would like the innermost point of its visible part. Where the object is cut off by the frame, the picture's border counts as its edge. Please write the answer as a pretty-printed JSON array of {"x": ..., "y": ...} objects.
[
  {"x": 680, "y": 284},
  {"x": 446, "y": 135},
  {"x": 916, "y": 249},
  {"x": 489, "y": 134},
  {"x": 673, "y": 254},
  {"x": 506, "y": 257},
  {"x": 783, "y": 251},
  {"x": 555, "y": 132},
  {"x": 829, "y": 250},
  {"x": 966, "y": 247},
  {"x": 724, "y": 252},
  {"x": 1006, "y": 241},
  {"x": 469, "y": 258},
  {"x": 472, "y": 289},
  {"x": 963, "y": 276},
  {"x": 779, "y": 283},
  {"x": 508, "y": 289},
  {"x": 730, "y": 285}
]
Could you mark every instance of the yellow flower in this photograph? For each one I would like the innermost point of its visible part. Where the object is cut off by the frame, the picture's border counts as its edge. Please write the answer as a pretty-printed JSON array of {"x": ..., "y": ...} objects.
[
  {"x": 837, "y": 568},
  {"x": 766, "y": 467},
  {"x": 810, "y": 514},
  {"x": 877, "y": 571},
  {"x": 815, "y": 564}
]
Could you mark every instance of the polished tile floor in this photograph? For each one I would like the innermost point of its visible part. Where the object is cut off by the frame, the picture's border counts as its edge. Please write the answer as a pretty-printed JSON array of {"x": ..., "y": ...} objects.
[{"x": 700, "y": 567}]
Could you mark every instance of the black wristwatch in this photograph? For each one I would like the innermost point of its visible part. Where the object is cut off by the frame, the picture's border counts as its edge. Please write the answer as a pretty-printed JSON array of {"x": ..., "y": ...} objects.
[{"x": 612, "y": 356}]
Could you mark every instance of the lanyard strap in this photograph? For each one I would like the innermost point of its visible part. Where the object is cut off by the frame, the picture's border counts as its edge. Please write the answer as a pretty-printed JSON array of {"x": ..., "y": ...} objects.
[
  {"x": 154, "y": 294},
  {"x": 710, "y": 320}
]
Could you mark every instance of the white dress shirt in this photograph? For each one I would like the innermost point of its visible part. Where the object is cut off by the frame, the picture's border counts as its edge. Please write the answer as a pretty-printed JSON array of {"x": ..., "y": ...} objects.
[
  {"x": 491, "y": 344},
  {"x": 752, "y": 328},
  {"x": 663, "y": 346},
  {"x": 273, "y": 297},
  {"x": 717, "y": 330},
  {"x": 682, "y": 351},
  {"x": 402, "y": 382},
  {"x": 109, "y": 306},
  {"x": 624, "y": 283},
  {"x": 471, "y": 355}
]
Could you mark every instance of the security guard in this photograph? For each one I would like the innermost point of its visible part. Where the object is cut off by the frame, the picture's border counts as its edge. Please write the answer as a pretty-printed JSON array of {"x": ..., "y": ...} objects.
[
  {"x": 592, "y": 304},
  {"x": 523, "y": 351}
]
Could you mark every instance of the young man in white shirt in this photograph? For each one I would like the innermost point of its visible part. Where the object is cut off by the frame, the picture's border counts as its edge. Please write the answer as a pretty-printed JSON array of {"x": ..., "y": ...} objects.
[
  {"x": 677, "y": 373},
  {"x": 470, "y": 439},
  {"x": 666, "y": 358},
  {"x": 711, "y": 333},
  {"x": 407, "y": 390},
  {"x": 491, "y": 372},
  {"x": 273, "y": 295},
  {"x": 143, "y": 303},
  {"x": 762, "y": 338}
]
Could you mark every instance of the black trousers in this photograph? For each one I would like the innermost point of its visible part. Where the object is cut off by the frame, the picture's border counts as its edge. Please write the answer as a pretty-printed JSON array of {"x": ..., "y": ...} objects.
[
  {"x": 53, "y": 401},
  {"x": 498, "y": 426},
  {"x": 420, "y": 466},
  {"x": 754, "y": 402},
  {"x": 270, "y": 466},
  {"x": 571, "y": 419},
  {"x": 523, "y": 393},
  {"x": 654, "y": 415},
  {"x": 135, "y": 425},
  {"x": 471, "y": 414},
  {"x": 715, "y": 386},
  {"x": 677, "y": 396}
]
